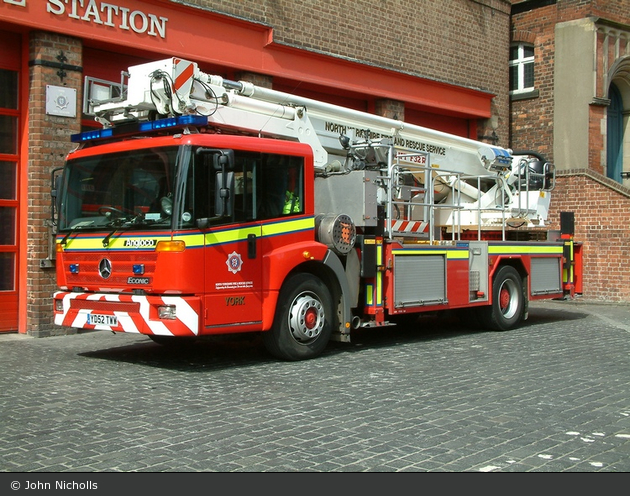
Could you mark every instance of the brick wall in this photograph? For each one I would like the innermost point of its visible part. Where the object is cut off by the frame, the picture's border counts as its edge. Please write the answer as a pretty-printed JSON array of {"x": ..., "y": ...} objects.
[
  {"x": 391, "y": 109},
  {"x": 49, "y": 142},
  {"x": 532, "y": 118},
  {"x": 457, "y": 41},
  {"x": 602, "y": 223},
  {"x": 461, "y": 42}
]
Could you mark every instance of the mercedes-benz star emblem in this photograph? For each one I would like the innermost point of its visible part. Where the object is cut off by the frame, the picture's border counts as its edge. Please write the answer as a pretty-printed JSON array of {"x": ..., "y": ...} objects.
[{"x": 105, "y": 268}]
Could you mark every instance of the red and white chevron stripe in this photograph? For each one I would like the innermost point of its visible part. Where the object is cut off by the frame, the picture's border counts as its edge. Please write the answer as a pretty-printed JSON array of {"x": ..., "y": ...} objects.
[
  {"x": 135, "y": 313},
  {"x": 409, "y": 226},
  {"x": 183, "y": 72}
]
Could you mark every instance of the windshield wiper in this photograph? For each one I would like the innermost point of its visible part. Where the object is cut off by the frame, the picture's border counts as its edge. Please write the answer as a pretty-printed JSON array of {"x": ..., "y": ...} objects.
[
  {"x": 78, "y": 227},
  {"x": 106, "y": 238},
  {"x": 124, "y": 224},
  {"x": 71, "y": 231},
  {"x": 117, "y": 224}
]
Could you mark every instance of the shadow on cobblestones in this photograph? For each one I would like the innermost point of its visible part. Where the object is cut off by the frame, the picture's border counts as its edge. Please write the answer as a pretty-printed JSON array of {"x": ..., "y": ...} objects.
[
  {"x": 229, "y": 352},
  {"x": 447, "y": 325},
  {"x": 201, "y": 355},
  {"x": 539, "y": 315}
]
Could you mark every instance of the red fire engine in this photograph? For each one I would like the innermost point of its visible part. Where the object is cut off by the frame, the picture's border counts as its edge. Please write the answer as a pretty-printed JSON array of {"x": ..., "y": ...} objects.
[{"x": 205, "y": 206}]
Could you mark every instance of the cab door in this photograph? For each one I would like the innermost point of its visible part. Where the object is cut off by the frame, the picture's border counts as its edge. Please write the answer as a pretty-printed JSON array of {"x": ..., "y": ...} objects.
[
  {"x": 233, "y": 260},
  {"x": 262, "y": 192},
  {"x": 233, "y": 277}
]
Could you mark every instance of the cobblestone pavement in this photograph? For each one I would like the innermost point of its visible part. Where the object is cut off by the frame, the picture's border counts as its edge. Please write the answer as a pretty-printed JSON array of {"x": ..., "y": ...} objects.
[{"x": 550, "y": 396}]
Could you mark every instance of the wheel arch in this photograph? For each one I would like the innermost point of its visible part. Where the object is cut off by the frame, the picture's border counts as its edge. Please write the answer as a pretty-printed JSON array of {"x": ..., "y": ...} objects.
[
  {"x": 331, "y": 272},
  {"x": 517, "y": 263}
]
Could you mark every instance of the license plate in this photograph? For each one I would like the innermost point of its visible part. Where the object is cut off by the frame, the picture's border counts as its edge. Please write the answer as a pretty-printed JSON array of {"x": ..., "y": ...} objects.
[{"x": 99, "y": 319}]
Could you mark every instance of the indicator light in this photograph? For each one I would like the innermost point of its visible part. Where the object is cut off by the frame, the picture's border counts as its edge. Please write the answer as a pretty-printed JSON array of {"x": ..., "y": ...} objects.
[{"x": 176, "y": 246}]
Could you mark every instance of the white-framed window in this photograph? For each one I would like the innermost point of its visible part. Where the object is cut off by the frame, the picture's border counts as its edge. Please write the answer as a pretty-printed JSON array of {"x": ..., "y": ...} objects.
[
  {"x": 521, "y": 68},
  {"x": 98, "y": 91}
]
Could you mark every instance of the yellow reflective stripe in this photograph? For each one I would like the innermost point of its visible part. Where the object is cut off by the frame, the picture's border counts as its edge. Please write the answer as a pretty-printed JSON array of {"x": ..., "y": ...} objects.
[
  {"x": 270, "y": 229},
  {"x": 83, "y": 243},
  {"x": 369, "y": 294},
  {"x": 192, "y": 240},
  {"x": 567, "y": 274},
  {"x": 463, "y": 254},
  {"x": 525, "y": 250},
  {"x": 284, "y": 227},
  {"x": 450, "y": 254},
  {"x": 114, "y": 243},
  {"x": 231, "y": 235},
  {"x": 379, "y": 288}
]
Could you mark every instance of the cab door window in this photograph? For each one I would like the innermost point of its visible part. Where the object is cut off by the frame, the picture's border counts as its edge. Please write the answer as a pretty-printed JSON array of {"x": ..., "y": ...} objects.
[
  {"x": 281, "y": 186},
  {"x": 261, "y": 186}
]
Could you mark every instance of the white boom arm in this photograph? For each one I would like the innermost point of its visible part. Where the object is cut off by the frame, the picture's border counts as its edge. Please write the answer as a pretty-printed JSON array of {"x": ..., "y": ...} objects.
[{"x": 177, "y": 87}]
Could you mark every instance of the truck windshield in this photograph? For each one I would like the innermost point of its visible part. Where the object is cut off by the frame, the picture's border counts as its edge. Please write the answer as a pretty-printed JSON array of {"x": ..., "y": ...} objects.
[
  {"x": 177, "y": 188},
  {"x": 127, "y": 189}
]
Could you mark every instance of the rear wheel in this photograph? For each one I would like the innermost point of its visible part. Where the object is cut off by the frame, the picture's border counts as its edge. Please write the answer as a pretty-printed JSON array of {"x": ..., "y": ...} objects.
[
  {"x": 304, "y": 319},
  {"x": 508, "y": 300}
]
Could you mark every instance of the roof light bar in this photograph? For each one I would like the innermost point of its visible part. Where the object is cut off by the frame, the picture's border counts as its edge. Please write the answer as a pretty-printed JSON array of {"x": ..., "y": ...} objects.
[
  {"x": 92, "y": 135},
  {"x": 140, "y": 127}
]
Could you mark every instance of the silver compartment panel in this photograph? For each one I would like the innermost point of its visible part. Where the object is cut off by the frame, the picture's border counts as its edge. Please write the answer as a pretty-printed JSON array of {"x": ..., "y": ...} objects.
[
  {"x": 546, "y": 275},
  {"x": 420, "y": 280},
  {"x": 352, "y": 194}
]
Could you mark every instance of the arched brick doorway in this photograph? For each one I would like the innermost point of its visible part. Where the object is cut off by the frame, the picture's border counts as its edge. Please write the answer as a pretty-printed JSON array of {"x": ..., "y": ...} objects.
[{"x": 618, "y": 122}]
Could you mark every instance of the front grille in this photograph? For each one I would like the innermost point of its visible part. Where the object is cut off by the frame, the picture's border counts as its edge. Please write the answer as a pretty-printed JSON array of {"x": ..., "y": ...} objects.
[{"x": 122, "y": 267}]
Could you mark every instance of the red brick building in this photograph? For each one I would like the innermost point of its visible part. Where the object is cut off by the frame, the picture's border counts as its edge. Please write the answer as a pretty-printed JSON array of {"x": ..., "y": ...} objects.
[
  {"x": 570, "y": 96},
  {"x": 438, "y": 64}
]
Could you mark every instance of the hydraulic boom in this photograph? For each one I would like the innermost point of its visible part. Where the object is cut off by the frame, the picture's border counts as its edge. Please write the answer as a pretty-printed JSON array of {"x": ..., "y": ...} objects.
[{"x": 485, "y": 185}]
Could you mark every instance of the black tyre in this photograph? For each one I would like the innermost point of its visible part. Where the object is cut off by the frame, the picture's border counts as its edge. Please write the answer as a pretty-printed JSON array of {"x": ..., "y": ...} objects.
[
  {"x": 508, "y": 299},
  {"x": 304, "y": 319}
]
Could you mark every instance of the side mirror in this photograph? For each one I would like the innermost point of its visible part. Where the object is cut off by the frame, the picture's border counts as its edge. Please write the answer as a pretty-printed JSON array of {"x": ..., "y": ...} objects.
[
  {"x": 224, "y": 198},
  {"x": 223, "y": 163},
  {"x": 55, "y": 184}
]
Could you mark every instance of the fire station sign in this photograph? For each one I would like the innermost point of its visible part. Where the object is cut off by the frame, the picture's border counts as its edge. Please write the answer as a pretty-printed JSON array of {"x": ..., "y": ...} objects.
[{"x": 119, "y": 15}]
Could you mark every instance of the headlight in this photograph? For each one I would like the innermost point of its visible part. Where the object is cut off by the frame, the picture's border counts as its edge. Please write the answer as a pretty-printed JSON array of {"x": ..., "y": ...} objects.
[{"x": 167, "y": 312}]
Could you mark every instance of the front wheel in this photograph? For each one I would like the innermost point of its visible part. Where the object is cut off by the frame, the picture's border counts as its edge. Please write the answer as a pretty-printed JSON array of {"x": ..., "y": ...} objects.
[
  {"x": 508, "y": 300},
  {"x": 304, "y": 319}
]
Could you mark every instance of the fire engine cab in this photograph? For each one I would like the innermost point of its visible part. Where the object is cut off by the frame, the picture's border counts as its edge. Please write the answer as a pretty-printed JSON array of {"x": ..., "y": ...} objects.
[{"x": 206, "y": 206}]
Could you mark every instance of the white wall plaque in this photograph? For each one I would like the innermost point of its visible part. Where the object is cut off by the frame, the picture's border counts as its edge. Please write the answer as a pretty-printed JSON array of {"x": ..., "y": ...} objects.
[{"x": 61, "y": 101}]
